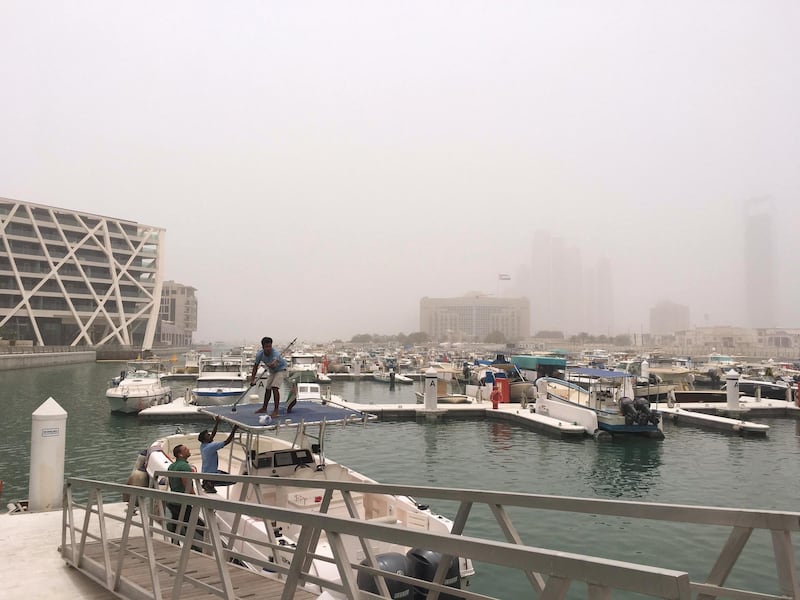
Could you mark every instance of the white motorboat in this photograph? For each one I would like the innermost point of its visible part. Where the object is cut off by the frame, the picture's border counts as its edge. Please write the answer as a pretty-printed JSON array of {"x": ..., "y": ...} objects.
[
  {"x": 603, "y": 403},
  {"x": 313, "y": 392},
  {"x": 221, "y": 380},
  {"x": 259, "y": 450},
  {"x": 306, "y": 366},
  {"x": 391, "y": 377},
  {"x": 138, "y": 387},
  {"x": 215, "y": 389},
  {"x": 189, "y": 369}
]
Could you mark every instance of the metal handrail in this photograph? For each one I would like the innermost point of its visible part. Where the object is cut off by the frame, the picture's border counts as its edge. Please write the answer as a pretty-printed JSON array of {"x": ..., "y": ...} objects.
[
  {"x": 552, "y": 572},
  {"x": 743, "y": 522}
]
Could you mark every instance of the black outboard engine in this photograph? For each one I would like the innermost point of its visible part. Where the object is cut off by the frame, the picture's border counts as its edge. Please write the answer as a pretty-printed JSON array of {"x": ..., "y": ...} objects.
[
  {"x": 422, "y": 564},
  {"x": 393, "y": 562},
  {"x": 646, "y": 417},
  {"x": 626, "y": 405}
]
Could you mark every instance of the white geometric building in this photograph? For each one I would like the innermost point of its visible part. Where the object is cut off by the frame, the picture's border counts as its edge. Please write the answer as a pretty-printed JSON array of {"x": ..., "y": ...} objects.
[{"x": 72, "y": 278}]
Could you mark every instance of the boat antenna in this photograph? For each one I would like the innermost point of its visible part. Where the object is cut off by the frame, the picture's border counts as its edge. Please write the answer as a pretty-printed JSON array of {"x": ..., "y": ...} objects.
[{"x": 247, "y": 391}]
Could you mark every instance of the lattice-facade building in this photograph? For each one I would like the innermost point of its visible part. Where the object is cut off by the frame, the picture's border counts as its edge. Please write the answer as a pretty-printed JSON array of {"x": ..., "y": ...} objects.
[{"x": 74, "y": 278}]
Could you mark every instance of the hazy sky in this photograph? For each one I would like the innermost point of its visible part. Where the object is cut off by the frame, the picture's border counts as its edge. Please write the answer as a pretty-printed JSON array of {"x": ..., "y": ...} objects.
[{"x": 320, "y": 166}]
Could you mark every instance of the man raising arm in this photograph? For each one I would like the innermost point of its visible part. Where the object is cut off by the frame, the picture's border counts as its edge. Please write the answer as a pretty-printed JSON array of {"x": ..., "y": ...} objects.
[{"x": 276, "y": 366}]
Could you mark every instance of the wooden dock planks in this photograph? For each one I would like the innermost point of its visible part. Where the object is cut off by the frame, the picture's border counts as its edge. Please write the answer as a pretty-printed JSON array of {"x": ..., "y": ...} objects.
[{"x": 200, "y": 569}]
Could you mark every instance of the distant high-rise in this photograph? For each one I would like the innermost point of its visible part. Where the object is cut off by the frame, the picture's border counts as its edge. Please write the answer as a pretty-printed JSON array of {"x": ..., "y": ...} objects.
[
  {"x": 548, "y": 293},
  {"x": 178, "y": 314},
  {"x": 472, "y": 317},
  {"x": 604, "y": 297},
  {"x": 759, "y": 261},
  {"x": 668, "y": 317},
  {"x": 567, "y": 295}
]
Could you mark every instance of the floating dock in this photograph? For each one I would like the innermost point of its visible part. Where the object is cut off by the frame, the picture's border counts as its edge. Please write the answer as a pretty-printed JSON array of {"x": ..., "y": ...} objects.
[
  {"x": 731, "y": 424},
  {"x": 512, "y": 412}
]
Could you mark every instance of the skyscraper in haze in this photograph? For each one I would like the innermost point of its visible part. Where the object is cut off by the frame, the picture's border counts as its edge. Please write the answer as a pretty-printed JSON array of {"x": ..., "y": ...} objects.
[
  {"x": 759, "y": 261},
  {"x": 668, "y": 317},
  {"x": 566, "y": 294},
  {"x": 548, "y": 286}
]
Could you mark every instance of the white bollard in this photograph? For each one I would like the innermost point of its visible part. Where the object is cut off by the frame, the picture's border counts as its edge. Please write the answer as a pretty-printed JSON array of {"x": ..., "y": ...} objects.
[
  {"x": 732, "y": 389},
  {"x": 48, "y": 443},
  {"x": 430, "y": 389},
  {"x": 645, "y": 369}
]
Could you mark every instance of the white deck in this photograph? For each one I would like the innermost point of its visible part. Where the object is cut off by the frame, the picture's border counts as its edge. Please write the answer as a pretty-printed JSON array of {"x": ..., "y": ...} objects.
[{"x": 30, "y": 544}]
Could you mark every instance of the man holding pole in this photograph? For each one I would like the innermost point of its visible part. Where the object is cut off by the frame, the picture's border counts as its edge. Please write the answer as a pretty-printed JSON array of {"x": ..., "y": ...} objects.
[{"x": 276, "y": 366}]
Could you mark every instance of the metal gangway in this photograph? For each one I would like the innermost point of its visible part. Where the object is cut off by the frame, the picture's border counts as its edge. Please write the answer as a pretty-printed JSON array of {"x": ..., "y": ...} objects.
[{"x": 134, "y": 554}]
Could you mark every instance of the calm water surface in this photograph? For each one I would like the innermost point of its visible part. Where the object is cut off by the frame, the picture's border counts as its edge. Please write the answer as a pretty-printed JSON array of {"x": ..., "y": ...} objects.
[{"x": 689, "y": 467}]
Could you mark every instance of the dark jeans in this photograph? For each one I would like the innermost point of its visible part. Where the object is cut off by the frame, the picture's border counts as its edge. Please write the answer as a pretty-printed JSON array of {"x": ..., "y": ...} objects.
[
  {"x": 175, "y": 513},
  {"x": 212, "y": 483}
]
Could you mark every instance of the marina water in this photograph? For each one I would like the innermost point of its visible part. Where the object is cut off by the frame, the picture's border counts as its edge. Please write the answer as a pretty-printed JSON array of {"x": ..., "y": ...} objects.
[{"x": 691, "y": 466}]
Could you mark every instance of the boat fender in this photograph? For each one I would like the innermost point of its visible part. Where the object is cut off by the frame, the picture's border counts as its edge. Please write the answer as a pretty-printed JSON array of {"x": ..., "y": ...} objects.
[{"x": 138, "y": 475}]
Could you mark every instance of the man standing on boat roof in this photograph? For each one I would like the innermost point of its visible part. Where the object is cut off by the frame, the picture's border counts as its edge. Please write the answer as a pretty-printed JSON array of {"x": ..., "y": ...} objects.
[{"x": 276, "y": 365}]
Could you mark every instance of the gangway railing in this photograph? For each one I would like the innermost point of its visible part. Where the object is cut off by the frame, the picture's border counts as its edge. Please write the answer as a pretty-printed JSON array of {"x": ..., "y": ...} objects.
[
  {"x": 550, "y": 572},
  {"x": 742, "y": 524},
  {"x": 556, "y": 571}
]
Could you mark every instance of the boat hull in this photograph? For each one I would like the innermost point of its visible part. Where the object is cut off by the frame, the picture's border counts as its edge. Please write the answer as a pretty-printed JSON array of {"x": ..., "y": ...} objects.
[
  {"x": 132, "y": 404},
  {"x": 581, "y": 406},
  {"x": 216, "y": 397}
]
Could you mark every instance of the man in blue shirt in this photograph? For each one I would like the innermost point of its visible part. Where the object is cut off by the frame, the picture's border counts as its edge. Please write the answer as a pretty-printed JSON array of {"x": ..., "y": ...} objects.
[
  {"x": 276, "y": 365},
  {"x": 208, "y": 452}
]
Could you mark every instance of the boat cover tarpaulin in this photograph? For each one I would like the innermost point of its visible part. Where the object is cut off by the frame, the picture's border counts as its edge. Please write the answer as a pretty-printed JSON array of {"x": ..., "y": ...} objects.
[
  {"x": 604, "y": 373},
  {"x": 532, "y": 363},
  {"x": 306, "y": 412}
]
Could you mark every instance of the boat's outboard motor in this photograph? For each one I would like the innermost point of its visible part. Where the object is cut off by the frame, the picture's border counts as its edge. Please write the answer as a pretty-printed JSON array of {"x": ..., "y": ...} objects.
[
  {"x": 646, "y": 417},
  {"x": 422, "y": 564},
  {"x": 394, "y": 562},
  {"x": 626, "y": 405}
]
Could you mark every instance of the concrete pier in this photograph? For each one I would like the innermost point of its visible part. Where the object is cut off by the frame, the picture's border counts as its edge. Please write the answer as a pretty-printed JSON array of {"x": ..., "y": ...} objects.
[{"x": 25, "y": 360}]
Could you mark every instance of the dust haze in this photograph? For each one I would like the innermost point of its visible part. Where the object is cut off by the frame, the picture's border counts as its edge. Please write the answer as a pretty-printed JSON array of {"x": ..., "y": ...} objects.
[{"x": 321, "y": 166}]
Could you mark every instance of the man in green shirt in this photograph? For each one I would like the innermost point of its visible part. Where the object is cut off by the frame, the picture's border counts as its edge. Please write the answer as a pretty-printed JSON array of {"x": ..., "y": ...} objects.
[{"x": 185, "y": 486}]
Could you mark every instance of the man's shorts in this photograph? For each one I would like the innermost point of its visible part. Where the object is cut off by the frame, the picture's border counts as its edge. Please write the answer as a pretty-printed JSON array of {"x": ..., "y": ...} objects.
[{"x": 276, "y": 379}]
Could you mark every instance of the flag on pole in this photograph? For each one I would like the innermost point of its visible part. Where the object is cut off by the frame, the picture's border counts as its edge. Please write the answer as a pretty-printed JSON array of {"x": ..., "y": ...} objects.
[{"x": 504, "y": 277}]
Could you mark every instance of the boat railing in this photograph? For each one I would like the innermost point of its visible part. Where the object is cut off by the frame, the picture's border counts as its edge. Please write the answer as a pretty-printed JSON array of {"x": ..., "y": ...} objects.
[
  {"x": 138, "y": 533},
  {"x": 549, "y": 571}
]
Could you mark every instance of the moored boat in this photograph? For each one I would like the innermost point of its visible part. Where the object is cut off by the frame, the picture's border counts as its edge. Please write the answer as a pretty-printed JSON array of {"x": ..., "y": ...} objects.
[
  {"x": 259, "y": 450},
  {"x": 138, "y": 387},
  {"x": 215, "y": 389},
  {"x": 604, "y": 404},
  {"x": 391, "y": 376},
  {"x": 221, "y": 380}
]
